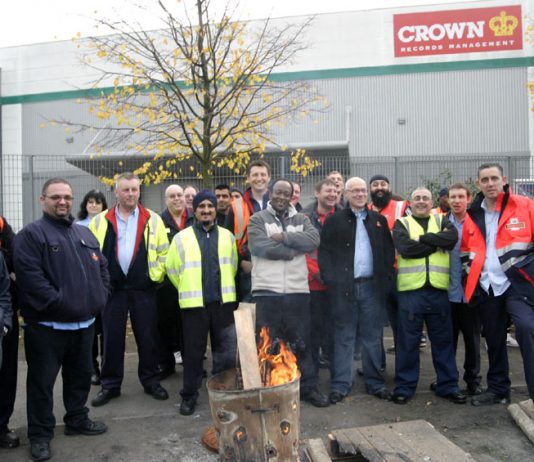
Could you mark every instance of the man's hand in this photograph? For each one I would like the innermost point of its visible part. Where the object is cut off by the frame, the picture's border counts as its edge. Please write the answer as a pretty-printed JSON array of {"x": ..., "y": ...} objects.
[
  {"x": 278, "y": 237},
  {"x": 246, "y": 266}
]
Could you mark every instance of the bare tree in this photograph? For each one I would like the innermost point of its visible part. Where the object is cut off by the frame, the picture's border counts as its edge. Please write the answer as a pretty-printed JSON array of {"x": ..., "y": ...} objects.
[{"x": 199, "y": 88}]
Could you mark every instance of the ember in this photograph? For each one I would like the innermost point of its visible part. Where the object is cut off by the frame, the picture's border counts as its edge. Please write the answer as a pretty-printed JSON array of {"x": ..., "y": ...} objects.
[{"x": 275, "y": 369}]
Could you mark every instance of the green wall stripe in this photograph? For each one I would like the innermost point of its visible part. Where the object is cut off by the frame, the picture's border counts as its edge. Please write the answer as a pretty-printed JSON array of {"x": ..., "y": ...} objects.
[{"x": 306, "y": 75}]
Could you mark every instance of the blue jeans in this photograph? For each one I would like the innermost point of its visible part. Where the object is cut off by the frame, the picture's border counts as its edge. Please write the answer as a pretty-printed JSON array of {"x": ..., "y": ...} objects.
[{"x": 360, "y": 317}]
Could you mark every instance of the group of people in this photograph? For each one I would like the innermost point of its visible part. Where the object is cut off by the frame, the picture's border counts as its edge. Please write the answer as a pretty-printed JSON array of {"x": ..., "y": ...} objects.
[{"x": 326, "y": 278}]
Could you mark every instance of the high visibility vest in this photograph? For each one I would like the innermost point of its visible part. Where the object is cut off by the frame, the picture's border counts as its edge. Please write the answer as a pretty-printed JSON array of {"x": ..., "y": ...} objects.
[
  {"x": 154, "y": 235},
  {"x": 393, "y": 211},
  {"x": 412, "y": 272},
  {"x": 184, "y": 267},
  {"x": 241, "y": 218}
]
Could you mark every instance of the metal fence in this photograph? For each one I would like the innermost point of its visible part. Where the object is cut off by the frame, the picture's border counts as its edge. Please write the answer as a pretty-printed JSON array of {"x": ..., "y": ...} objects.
[{"x": 24, "y": 175}]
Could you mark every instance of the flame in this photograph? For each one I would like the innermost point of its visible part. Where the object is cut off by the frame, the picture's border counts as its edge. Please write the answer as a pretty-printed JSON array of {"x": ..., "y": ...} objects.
[{"x": 275, "y": 369}]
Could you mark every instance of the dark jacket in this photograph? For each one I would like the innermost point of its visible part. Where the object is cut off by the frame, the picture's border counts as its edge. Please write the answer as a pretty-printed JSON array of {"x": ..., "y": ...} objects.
[
  {"x": 170, "y": 224},
  {"x": 61, "y": 274},
  {"x": 6, "y": 312},
  {"x": 208, "y": 241},
  {"x": 336, "y": 254}
]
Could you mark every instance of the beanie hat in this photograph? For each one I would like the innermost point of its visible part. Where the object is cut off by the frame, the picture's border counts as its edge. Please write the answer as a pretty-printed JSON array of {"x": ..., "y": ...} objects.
[
  {"x": 202, "y": 196},
  {"x": 379, "y": 177},
  {"x": 444, "y": 192}
]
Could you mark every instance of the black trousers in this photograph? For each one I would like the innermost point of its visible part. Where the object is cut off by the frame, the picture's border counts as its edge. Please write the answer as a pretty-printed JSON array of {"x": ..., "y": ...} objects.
[
  {"x": 218, "y": 321},
  {"x": 288, "y": 318},
  {"x": 8, "y": 373},
  {"x": 169, "y": 323},
  {"x": 322, "y": 329},
  {"x": 141, "y": 304},
  {"x": 47, "y": 351},
  {"x": 465, "y": 320},
  {"x": 493, "y": 312}
]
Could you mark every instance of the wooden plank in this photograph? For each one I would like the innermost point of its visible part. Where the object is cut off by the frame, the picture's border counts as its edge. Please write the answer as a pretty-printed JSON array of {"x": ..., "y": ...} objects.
[
  {"x": 248, "y": 353},
  {"x": 317, "y": 451},
  {"x": 348, "y": 442},
  {"x": 382, "y": 447},
  {"x": 403, "y": 441},
  {"x": 252, "y": 308},
  {"x": 523, "y": 420},
  {"x": 427, "y": 443},
  {"x": 527, "y": 407}
]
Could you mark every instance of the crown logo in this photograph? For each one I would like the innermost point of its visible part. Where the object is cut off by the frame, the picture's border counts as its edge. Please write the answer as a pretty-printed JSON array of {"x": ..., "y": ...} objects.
[{"x": 503, "y": 25}]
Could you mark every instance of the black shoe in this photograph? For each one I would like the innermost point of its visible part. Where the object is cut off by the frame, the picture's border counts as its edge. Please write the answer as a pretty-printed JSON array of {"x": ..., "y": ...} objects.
[
  {"x": 433, "y": 386},
  {"x": 384, "y": 394},
  {"x": 315, "y": 398},
  {"x": 336, "y": 397},
  {"x": 105, "y": 396},
  {"x": 455, "y": 397},
  {"x": 157, "y": 392},
  {"x": 40, "y": 450},
  {"x": 359, "y": 371},
  {"x": 95, "y": 378},
  {"x": 188, "y": 406},
  {"x": 400, "y": 399},
  {"x": 488, "y": 398},
  {"x": 166, "y": 371},
  {"x": 9, "y": 439},
  {"x": 323, "y": 361},
  {"x": 87, "y": 427},
  {"x": 473, "y": 390}
]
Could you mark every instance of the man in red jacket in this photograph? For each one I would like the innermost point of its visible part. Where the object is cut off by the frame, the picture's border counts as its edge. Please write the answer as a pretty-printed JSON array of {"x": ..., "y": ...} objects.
[{"x": 498, "y": 257}]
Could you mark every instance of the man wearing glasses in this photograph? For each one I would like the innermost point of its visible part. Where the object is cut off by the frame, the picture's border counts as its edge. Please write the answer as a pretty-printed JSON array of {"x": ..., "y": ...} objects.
[
  {"x": 63, "y": 282},
  {"x": 356, "y": 261}
]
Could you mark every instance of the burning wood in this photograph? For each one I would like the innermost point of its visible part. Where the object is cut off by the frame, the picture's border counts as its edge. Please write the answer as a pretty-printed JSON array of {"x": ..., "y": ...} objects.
[{"x": 275, "y": 369}]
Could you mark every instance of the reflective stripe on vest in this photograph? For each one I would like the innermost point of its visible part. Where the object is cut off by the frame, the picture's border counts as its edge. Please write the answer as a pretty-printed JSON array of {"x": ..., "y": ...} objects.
[
  {"x": 241, "y": 219},
  {"x": 412, "y": 272},
  {"x": 188, "y": 268}
]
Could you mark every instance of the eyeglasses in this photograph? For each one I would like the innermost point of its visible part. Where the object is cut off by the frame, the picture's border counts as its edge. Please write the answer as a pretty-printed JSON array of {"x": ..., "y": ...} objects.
[
  {"x": 57, "y": 198},
  {"x": 357, "y": 191}
]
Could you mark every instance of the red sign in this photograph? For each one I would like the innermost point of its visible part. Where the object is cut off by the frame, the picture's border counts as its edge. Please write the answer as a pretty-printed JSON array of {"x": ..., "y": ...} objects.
[{"x": 458, "y": 31}]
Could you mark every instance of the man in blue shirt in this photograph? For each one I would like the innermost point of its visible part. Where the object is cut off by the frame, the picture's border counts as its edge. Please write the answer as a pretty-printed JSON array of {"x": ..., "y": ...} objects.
[
  {"x": 464, "y": 317},
  {"x": 356, "y": 259},
  {"x": 63, "y": 282}
]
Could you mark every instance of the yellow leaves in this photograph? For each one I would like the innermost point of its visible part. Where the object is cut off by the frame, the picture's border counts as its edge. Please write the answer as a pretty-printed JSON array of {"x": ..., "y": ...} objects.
[
  {"x": 301, "y": 163},
  {"x": 101, "y": 53},
  {"x": 42, "y": 125}
]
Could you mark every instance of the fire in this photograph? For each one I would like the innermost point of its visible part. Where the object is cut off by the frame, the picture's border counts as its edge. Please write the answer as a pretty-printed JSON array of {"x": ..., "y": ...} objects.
[{"x": 275, "y": 369}]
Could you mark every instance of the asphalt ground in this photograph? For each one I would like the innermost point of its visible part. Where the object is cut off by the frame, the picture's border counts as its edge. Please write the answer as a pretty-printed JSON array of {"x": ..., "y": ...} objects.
[{"x": 145, "y": 430}]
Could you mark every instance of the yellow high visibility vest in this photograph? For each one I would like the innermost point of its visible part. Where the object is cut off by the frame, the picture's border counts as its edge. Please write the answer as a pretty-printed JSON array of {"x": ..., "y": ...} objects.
[
  {"x": 156, "y": 241},
  {"x": 184, "y": 267},
  {"x": 412, "y": 271}
]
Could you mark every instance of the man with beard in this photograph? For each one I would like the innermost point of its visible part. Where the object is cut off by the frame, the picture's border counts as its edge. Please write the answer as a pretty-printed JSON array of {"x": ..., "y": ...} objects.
[
  {"x": 322, "y": 338},
  {"x": 279, "y": 239},
  {"x": 201, "y": 263},
  {"x": 383, "y": 203}
]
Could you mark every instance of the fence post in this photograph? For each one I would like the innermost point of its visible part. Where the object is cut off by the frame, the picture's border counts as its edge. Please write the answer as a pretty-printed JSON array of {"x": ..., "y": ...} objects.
[
  {"x": 396, "y": 174},
  {"x": 32, "y": 187}
]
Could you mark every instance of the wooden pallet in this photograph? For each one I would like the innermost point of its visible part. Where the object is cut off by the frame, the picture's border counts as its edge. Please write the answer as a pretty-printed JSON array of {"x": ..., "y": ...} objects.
[{"x": 411, "y": 441}]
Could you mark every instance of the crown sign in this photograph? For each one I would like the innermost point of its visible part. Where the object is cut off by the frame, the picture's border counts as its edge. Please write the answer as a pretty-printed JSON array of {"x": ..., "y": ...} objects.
[{"x": 503, "y": 25}]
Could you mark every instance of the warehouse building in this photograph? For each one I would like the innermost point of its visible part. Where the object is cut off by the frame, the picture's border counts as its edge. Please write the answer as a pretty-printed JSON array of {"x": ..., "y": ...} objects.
[{"x": 415, "y": 93}]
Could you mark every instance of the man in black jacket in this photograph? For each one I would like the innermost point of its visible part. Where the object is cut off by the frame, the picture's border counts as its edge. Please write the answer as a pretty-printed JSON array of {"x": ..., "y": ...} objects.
[
  {"x": 356, "y": 260},
  {"x": 63, "y": 282},
  {"x": 10, "y": 345}
]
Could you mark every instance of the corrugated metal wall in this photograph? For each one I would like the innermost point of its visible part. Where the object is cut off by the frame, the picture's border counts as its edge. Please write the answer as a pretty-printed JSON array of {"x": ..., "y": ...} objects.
[{"x": 472, "y": 112}]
